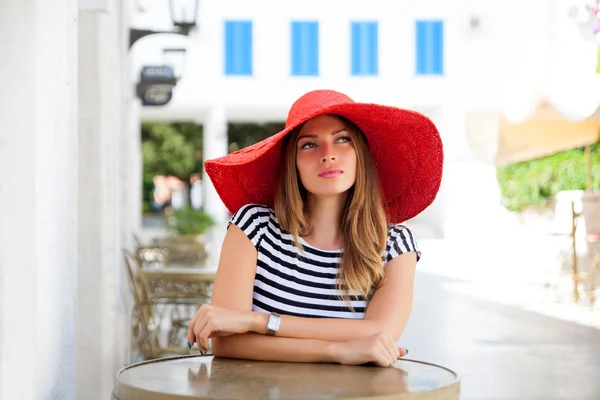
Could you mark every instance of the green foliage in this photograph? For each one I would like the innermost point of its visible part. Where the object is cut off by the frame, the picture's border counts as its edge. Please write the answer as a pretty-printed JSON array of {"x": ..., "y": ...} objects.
[
  {"x": 187, "y": 221},
  {"x": 175, "y": 149},
  {"x": 536, "y": 182},
  {"x": 167, "y": 149},
  {"x": 147, "y": 193}
]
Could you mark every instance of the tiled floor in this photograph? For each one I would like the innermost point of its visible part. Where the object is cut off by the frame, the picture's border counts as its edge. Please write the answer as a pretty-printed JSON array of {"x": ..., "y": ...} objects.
[{"x": 501, "y": 352}]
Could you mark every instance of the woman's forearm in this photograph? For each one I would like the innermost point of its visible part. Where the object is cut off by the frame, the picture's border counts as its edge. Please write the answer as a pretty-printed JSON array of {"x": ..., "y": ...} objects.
[
  {"x": 326, "y": 329},
  {"x": 252, "y": 346}
]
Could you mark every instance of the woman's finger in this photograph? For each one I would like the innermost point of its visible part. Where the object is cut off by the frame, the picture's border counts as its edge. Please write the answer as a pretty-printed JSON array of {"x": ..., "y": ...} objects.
[
  {"x": 402, "y": 351},
  {"x": 199, "y": 331},
  {"x": 392, "y": 347},
  {"x": 382, "y": 358},
  {"x": 203, "y": 336},
  {"x": 389, "y": 349},
  {"x": 191, "y": 338},
  {"x": 381, "y": 354}
]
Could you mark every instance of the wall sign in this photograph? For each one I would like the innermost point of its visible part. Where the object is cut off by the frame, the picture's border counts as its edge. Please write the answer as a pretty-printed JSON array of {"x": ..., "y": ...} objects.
[{"x": 155, "y": 87}]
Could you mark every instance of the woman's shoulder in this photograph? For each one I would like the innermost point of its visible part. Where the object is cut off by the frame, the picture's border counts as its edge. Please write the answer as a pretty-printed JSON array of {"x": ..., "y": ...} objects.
[
  {"x": 401, "y": 239},
  {"x": 252, "y": 220},
  {"x": 251, "y": 210},
  {"x": 396, "y": 229}
]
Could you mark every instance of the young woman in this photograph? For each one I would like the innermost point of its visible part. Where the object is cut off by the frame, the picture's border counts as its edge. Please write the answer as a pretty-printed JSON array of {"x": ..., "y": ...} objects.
[{"x": 315, "y": 266}]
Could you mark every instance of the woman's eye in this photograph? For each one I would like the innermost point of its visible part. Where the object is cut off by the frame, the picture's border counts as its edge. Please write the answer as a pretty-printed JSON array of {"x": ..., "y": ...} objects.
[
  {"x": 344, "y": 139},
  {"x": 307, "y": 145}
]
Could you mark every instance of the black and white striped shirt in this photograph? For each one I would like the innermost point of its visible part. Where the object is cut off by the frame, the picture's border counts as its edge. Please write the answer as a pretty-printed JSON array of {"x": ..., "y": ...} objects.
[{"x": 291, "y": 282}]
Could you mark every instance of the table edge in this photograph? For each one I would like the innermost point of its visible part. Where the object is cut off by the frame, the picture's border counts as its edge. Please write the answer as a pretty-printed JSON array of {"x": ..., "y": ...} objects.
[{"x": 121, "y": 388}]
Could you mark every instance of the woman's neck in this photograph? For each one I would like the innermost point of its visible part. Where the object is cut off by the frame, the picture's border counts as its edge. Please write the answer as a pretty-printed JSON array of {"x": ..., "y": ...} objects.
[{"x": 325, "y": 217}]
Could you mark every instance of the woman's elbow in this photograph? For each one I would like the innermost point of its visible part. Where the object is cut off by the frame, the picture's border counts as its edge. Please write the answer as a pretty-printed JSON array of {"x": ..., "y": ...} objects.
[{"x": 394, "y": 331}]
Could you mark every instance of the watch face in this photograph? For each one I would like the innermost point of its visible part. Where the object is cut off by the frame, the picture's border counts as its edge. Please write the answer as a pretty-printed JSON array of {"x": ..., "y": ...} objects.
[{"x": 273, "y": 323}]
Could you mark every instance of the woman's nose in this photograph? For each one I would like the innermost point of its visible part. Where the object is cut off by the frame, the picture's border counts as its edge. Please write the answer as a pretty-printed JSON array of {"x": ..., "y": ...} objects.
[
  {"x": 328, "y": 153},
  {"x": 328, "y": 157}
]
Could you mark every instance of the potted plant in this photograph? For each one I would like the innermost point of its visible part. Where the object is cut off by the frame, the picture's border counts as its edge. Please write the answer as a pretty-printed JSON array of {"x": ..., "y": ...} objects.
[
  {"x": 188, "y": 224},
  {"x": 186, "y": 244}
]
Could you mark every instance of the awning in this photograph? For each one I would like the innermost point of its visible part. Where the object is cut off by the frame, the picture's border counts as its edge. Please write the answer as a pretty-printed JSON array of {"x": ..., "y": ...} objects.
[{"x": 544, "y": 133}]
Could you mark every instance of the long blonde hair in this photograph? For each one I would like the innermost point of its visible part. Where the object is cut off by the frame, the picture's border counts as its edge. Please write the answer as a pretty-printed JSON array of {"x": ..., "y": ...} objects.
[{"x": 363, "y": 223}]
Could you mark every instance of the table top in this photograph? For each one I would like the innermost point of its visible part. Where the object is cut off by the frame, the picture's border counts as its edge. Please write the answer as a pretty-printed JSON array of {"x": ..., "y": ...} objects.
[
  {"x": 207, "y": 377},
  {"x": 181, "y": 273}
]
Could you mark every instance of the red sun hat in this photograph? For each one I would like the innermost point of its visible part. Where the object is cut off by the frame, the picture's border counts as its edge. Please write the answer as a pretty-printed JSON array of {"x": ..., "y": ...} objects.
[{"x": 405, "y": 146}]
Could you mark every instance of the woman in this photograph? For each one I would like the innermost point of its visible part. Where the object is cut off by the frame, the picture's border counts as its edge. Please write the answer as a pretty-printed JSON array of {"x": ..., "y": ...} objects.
[{"x": 315, "y": 266}]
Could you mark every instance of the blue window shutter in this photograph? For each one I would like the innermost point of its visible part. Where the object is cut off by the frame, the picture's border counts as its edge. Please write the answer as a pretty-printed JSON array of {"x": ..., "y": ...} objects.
[
  {"x": 238, "y": 47},
  {"x": 430, "y": 47},
  {"x": 305, "y": 48},
  {"x": 364, "y": 48}
]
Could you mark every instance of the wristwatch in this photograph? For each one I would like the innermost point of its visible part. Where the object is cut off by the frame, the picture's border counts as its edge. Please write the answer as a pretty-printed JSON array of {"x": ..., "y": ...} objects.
[{"x": 273, "y": 324}]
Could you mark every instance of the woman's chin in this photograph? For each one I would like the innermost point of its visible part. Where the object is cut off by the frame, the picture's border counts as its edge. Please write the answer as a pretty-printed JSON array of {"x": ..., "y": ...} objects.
[{"x": 330, "y": 190}]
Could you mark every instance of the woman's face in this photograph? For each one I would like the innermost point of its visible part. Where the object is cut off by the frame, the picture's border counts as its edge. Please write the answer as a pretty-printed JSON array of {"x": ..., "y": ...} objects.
[{"x": 325, "y": 157}]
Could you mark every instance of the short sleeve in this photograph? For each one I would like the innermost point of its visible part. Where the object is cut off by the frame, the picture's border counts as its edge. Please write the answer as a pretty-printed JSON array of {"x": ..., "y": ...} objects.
[
  {"x": 252, "y": 219},
  {"x": 400, "y": 240}
]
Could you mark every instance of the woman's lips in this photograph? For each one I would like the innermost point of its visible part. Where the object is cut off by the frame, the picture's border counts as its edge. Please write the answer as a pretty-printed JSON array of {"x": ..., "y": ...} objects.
[{"x": 331, "y": 173}]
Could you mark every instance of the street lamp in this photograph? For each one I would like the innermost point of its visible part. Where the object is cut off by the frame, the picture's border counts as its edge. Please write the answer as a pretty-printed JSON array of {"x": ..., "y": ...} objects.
[
  {"x": 175, "y": 58},
  {"x": 183, "y": 15}
]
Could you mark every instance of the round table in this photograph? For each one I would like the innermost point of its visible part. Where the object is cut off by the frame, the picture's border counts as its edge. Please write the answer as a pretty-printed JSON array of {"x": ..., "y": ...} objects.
[{"x": 208, "y": 377}]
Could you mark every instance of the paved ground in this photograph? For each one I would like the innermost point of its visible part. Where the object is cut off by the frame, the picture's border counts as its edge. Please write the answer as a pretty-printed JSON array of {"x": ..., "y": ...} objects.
[{"x": 501, "y": 351}]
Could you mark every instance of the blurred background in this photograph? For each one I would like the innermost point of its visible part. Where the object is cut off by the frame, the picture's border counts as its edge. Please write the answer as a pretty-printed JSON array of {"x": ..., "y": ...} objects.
[{"x": 110, "y": 231}]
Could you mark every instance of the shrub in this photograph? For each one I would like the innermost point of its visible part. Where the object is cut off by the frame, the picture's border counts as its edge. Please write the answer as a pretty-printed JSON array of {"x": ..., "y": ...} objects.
[{"x": 536, "y": 182}]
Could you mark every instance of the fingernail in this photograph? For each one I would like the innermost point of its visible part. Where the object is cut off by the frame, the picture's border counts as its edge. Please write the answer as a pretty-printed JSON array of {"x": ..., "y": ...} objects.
[{"x": 189, "y": 345}]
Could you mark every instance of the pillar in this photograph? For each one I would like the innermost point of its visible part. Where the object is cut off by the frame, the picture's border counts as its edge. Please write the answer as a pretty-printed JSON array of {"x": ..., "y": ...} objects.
[
  {"x": 470, "y": 191},
  {"x": 100, "y": 305},
  {"x": 38, "y": 199},
  {"x": 214, "y": 144}
]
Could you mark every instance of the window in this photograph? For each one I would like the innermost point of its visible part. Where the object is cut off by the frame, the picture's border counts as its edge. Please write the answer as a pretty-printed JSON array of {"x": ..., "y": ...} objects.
[
  {"x": 364, "y": 48},
  {"x": 430, "y": 47},
  {"x": 238, "y": 47},
  {"x": 305, "y": 48}
]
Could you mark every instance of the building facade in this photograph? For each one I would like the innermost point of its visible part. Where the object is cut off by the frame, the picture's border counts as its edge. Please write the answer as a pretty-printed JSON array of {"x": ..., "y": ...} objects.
[{"x": 462, "y": 63}]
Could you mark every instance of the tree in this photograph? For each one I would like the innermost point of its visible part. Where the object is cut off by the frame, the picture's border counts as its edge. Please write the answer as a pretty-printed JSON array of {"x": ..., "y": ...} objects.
[
  {"x": 175, "y": 149},
  {"x": 168, "y": 149}
]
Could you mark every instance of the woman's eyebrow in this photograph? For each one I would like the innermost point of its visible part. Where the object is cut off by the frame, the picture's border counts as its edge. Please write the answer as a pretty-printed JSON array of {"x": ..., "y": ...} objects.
[{"x": 313, "y": 136}]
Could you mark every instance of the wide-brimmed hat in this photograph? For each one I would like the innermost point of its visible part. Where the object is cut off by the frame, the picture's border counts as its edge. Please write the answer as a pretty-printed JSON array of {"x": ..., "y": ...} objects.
[{"x": 405, "y": 146}]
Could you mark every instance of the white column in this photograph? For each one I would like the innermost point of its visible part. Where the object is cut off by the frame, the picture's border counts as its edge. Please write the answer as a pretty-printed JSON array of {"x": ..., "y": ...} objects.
[
  {"x": 132, "y": 168},
  {"x": 470, "y": 192},
  {"x": 131, "y": 156},
  {"x": 214, "y": 144},
  {"x": 38, "y": 199},
  {"x": 130, "y": 179},
  {"x": 100, "y": 308}
]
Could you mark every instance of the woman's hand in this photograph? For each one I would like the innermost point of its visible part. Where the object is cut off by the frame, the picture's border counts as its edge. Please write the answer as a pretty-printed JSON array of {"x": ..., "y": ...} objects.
[
  {"x": 211, "y": 321},
  {"x": 379, "y": 349}
]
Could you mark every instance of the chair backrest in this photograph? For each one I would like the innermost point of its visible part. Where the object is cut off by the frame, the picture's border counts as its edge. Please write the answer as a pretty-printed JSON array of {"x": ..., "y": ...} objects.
[{"x": 147, "y": 341}]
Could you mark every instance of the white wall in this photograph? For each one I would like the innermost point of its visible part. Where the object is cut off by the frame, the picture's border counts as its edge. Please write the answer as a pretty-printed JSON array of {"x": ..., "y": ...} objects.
[
  {"x": 271, "y": 89},
  {"x": 38, "y": 199},
  {"x": 519, "y": 49}
]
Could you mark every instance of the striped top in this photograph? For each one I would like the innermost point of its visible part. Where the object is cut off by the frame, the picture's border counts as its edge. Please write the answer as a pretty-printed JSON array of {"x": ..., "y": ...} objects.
[{"x": 291, "y": 282}]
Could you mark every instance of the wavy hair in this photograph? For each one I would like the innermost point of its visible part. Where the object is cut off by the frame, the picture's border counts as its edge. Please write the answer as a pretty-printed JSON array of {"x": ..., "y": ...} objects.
[{"x": 362, "y": 221}]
